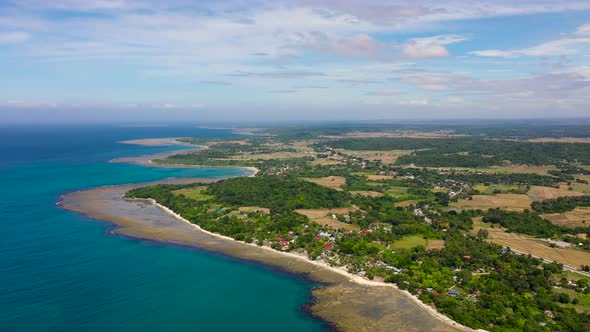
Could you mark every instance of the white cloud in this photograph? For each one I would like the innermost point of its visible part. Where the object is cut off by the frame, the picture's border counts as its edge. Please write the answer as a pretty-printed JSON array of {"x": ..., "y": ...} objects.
[
  {"x": 13, "y": 37},
  {"x": 566, "y": 45},
  {"x": 415, "y": 102},
  {"x": 430, "y": 47}
]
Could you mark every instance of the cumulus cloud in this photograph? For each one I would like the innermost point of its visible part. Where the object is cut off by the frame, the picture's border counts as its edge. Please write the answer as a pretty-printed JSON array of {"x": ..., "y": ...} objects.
[{"x": 430, "y": 47}]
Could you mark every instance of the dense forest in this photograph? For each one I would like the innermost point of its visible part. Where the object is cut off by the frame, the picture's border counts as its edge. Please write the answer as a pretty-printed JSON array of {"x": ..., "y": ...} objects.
[{"x": 470, "y": 152}]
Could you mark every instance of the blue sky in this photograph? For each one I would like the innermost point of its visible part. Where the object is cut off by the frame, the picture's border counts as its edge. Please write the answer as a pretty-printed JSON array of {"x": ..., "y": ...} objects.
[{"x": 99, "y": 60}]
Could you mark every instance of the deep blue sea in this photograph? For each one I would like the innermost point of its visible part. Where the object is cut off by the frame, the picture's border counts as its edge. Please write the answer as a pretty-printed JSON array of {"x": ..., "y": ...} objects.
[{"x": 60, "y": 272}]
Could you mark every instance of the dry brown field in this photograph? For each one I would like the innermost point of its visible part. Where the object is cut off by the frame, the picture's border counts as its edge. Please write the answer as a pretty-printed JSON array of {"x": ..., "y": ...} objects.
[
  {"x": 579, "y": 217},
  {"x": 334, "y": 182},
  {"x": 435, "y": 244},
  {"x": 510, "y": 202},
  {"x": 541, "y": 170},
  {"x": 539, "y": 193},
  {"x": 379, "y": 177},
  {"x": 324, "y": 217},
  {"x": 562, "y": 139},
  {"x": 367, "y": 193},
  {"x": 536, "y": 247}
]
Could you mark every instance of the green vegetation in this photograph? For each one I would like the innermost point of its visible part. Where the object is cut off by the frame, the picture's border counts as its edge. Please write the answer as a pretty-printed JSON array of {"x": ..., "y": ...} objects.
[
  {"x": 195, "y": 193},
  {"x": 561, "y": 204},
  {"x": 470, "y": 152},
  {"x": 471, "y": 280}
]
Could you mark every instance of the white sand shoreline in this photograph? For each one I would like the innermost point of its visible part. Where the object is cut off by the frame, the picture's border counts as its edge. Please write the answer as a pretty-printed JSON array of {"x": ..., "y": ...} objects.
[{"x": 354, "y": 278}]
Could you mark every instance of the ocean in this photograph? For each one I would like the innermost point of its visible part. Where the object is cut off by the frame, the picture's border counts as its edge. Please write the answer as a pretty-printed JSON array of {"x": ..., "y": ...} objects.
[{"x": 60, "y": 271}]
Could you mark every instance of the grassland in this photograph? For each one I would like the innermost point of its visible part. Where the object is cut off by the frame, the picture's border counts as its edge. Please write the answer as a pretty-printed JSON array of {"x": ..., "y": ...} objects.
[
  {"x": 195, "y": 193},
  {"x": 501, "y": 188},
  {"x": 411, "y": 241},
  {"x": 324, "y": 217},
  {"x": 539, "y": 193},
  {"x": 367, "y": 193},
  {"x": 334, "y": 182},
  {"x": 579, "y": 217},
  {"x": 510, "y": 202},
  {"x": 536, "y": 247}
]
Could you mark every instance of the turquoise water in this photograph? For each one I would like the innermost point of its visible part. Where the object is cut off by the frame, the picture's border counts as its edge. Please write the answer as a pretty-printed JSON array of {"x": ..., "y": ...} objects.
[{"x": 60, "y": 272}]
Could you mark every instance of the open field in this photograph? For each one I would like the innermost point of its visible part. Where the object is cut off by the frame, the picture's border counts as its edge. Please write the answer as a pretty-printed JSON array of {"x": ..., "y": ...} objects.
[
  {"x": 249, "y": 209},
  {"x": 582, "y": 306},
  {"x": 502, "y": 188},
  {"x": 538, "y": 193},
  {"x": 536, "y": 247},
  {"x": 387, "y": 157},
  {"x": 379, "y": 177},
  {"x": 328, "y": 161},
  {"x": 511, "y": 202},
  {"x": 435, "y": 244},
  {"x": 324, "y": 217},
  {"x": 579, "y": 217},
  {"x": 367, "y": 193},
  {"x": 561, "y": 139},
  {"x": 195, "y": 193},
  {"x": 541, "y": 170},
  {"x": 409, "y": 242},
  {"x": 334, "y": 182}
]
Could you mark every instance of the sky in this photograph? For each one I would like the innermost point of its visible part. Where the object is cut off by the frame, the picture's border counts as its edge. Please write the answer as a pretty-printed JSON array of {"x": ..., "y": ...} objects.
[{"x": 282, "y": 60}]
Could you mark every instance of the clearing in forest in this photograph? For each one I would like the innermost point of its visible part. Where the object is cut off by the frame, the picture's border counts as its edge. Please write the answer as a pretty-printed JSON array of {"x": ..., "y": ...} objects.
[
  {"x": 195, "y": 193},
  {"x": 539, "y": 193},
  {"x": 334, "y": 182},
  {"x": 386, "y": 157},
  {"x": 325, "y": 217},
  {"x": 367, "y": 193},
  {"x": 579, "y": 217},
  {"x": 510, "y": 202}
]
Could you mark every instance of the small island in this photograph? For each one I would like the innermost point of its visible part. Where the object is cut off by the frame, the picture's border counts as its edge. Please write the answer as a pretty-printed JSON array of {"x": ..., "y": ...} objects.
[{"x": 487, "y": 228}]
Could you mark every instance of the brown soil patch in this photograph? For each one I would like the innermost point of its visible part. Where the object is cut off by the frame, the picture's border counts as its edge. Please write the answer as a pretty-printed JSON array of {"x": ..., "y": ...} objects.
[
  {"x": 379, "y": 177},
  {"x": 324, "y": 217},
  {"x": 579, "y": 217},
  {"x": 334, "y": 182},
  {"x": 538, "y": 193},
  {"x": 435, "y": 244},
  {"x": 511, "y": 202}
]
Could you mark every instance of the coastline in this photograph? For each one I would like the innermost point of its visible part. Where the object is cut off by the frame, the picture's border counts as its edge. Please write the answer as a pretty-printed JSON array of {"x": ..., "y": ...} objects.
[
  {"x": 354, "y": 278},
  {"x": 342, "y": 302},
  {"x": 148, "y": 160}
]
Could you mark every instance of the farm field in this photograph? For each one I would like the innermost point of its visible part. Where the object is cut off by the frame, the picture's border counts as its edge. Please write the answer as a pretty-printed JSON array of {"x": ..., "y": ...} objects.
[
  {"x": 324, "y": 217},
  {"x": 539, "y": 193},
  {"x": 579, "y": 217},
  {"x": 536, "y": 247},
  {"x": 408, "y": 242},
  {"x": 541, "y": 170},
  {"x": 334, "y": 182},
  {"x": 511, "y": 202},
  {"x": 502, "y": 188}
]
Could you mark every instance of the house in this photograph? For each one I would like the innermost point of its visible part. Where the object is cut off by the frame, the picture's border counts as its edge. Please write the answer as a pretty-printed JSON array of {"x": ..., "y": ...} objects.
[
  {"x": 454, "y": 292},
  {"x": 467, "y": 257},
  {"x": 328, "y": 246}
]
